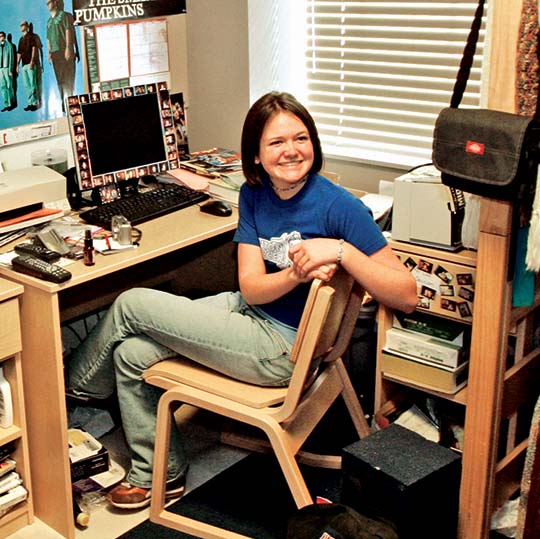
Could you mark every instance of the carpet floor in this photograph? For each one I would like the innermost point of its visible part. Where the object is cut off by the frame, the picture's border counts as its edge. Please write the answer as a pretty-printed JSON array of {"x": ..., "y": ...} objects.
[{"x": 251, "y": 498}]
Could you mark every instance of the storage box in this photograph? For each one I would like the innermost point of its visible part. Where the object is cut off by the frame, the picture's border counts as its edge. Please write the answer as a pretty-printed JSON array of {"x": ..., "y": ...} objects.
[
  {"x": 457, "y": 333},
  {"x": 423, "y": 373},
  {"x": 425, "y": 347},
  {"x": 399, "y": 475},
  {"x": 87, "y": 456}
]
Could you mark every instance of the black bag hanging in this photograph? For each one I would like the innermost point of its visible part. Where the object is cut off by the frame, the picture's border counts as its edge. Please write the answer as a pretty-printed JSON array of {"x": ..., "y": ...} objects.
[{"x": 485, "y": 152}]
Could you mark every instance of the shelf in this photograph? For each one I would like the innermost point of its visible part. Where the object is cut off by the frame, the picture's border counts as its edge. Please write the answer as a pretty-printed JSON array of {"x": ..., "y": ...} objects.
[
  {"x": 10, "y": 361},
  {"x": 15, "y": 519},
  {"x": 10, "y": 434},
  {"x": 466, "y": 257},
  {"x": 460, "y": 397}
]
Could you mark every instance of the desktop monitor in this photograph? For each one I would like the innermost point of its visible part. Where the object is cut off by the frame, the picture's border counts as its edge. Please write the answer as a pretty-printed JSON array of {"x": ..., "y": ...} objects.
[{"x": 121, "y": 135}]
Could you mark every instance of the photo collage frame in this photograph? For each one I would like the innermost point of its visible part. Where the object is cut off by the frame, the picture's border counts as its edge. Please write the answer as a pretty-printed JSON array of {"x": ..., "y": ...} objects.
[
  {"x": 443, "y": 288},
  {"x": 87, "y": 179}
]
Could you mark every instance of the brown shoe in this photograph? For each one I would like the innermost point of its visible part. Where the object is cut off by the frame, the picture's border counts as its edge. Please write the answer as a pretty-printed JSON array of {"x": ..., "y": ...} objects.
[{"x": 127, "y": 496}]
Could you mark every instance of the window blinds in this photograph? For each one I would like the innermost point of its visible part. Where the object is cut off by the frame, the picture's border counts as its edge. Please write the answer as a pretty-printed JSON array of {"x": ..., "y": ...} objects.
[{"x": 378, "y": 73}]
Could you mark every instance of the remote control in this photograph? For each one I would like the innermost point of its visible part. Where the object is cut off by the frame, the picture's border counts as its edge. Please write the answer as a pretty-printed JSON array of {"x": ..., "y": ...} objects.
[
  {"x": 40, "y": 268},
  {"x": 38, "y": 251}
]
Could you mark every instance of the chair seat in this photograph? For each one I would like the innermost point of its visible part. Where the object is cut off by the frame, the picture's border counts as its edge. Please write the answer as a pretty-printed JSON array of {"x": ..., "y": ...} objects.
[{"x": 167, "y": 373}]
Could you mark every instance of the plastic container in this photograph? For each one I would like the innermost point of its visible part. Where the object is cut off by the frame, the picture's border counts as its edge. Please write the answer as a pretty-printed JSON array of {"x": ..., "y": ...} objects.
[{"x": 6, "y": 403}]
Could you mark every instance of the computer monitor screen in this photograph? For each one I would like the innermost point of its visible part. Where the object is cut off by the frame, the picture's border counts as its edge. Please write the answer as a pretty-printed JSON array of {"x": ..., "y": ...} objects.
[{"x": 122, "y": 134}]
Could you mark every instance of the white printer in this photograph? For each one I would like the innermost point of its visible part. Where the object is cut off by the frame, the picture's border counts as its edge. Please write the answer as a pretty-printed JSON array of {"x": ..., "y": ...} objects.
[
  {"x": 28, "y": 190},
  {"x": 426, "y": 211}
]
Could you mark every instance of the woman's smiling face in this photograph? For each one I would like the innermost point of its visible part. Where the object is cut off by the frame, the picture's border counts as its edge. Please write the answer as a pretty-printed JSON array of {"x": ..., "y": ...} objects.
[{"x": 285, "y": 150}]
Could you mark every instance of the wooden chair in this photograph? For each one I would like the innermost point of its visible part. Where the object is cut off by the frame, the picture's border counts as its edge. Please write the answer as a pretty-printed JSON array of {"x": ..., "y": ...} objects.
[
  {"x": 286, "y": 415},
  {"x": 332, "y": 176}
]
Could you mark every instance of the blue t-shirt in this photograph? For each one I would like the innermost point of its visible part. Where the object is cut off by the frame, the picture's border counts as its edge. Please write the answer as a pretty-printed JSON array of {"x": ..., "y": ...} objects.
[{"x": 320, "y": 210}]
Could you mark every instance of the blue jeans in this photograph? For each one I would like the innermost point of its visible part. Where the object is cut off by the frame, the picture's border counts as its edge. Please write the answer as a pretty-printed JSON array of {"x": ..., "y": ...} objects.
[{"x": 144, "y": 326}]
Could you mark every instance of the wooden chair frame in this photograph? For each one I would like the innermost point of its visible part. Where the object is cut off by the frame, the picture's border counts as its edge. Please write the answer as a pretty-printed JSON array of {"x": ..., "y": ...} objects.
[{"x": 286, "y": 415}]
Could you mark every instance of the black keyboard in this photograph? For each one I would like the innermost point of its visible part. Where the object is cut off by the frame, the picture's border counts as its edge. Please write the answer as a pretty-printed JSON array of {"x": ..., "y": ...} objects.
[{"x": 145, "y": 206}]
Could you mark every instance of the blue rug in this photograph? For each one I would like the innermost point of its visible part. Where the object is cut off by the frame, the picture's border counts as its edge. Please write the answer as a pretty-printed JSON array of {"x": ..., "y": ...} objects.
[{"x": 251, "y": 498}]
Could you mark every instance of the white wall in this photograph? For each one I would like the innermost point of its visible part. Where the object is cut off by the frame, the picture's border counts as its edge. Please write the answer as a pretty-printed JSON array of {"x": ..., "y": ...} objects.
[{"x": 218, "y": 72}]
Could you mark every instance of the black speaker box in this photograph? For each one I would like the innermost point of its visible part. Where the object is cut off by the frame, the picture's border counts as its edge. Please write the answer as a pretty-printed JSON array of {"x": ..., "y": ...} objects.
[
  {"x": 397, "y": 474},
  {"x": 72, "y": 188}
]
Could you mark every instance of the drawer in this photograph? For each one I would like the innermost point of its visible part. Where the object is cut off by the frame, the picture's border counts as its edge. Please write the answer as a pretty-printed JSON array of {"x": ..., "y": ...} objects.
[
  {"x": 443, "y": 287},
  {"x": 10, "y": 333}
]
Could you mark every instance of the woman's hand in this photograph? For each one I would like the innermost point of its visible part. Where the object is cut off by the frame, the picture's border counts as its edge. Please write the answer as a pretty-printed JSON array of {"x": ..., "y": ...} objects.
[
  {"x": 382, "y": 274},
  {"x": 324, "y": 273},
  {"x": 316, "y": 257}
]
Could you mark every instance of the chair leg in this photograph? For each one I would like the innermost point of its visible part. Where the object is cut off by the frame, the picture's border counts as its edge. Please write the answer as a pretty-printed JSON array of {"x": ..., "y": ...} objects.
[
  {"x": 286, "y": 457},
  {"x": 262, "y": 445},
  {"x": 289, "y": 466},
  {"x": 161, "y": 453},
  {"x": 158, "y": 513},
  {"x": 351, "y": 401}
]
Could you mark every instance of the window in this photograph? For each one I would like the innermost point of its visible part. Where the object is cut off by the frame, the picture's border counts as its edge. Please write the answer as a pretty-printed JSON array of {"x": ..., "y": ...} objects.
[{"x": 378, "y": 73}]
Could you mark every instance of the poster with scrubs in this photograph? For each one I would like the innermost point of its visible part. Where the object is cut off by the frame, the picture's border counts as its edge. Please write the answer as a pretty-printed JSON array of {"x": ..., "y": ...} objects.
[{"x": 44, "y": 63}]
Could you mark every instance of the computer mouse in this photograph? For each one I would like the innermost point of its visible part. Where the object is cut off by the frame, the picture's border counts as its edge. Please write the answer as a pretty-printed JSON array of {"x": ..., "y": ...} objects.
[{"x": 216, "y": 207}]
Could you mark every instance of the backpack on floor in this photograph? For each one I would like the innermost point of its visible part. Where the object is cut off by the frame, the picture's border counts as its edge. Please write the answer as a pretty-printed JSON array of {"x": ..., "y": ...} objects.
[{"x": 337, "y": 521}]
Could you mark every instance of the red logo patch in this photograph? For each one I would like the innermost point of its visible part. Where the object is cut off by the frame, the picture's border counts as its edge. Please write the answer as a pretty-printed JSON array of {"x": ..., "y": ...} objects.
[{"x": 474, "y": 147}]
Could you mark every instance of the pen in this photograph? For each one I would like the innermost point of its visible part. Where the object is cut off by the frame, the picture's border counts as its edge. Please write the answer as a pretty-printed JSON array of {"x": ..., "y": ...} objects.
[
  {"x": 107, "y": 241},
  {"x": 199, "y": 172}
]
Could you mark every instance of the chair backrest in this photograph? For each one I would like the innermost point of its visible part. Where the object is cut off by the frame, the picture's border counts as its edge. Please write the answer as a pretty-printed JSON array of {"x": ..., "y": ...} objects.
[
  {"x": 325, "y": 328},
  {"x": 332, "y": 176}
]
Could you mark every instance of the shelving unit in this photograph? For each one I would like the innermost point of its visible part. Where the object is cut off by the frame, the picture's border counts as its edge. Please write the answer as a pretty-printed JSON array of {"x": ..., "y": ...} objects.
[
  {"x": 502, "y": 387},
  {"x": 10, "y": 361},
  {"x": 462, "y": 263}
]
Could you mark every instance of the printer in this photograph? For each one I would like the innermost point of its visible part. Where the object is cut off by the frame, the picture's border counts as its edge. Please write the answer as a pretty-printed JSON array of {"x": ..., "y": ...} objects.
[
  {"x": 26, "y": 191},
  {"x": 427, "y": 212}
]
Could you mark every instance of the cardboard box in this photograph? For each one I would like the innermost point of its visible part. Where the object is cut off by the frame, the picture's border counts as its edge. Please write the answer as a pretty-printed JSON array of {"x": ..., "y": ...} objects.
[
  {"x": 424, "y": 373},
  {"x": 87, "y": 456}
]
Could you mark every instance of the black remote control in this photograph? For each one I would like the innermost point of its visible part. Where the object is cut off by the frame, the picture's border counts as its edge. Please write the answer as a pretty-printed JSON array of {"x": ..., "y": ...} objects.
[
  {"x": 40, "y": 268},
  {"x": 38, "y": 251}
]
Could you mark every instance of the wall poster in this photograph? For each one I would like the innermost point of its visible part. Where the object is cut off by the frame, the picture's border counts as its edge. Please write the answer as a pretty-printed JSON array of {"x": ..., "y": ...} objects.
[
  {"x": 32, "y": 87},
  {"x": 90, "y": 12}
]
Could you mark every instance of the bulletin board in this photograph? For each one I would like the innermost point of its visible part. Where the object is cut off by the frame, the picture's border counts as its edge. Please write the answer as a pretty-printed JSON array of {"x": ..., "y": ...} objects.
[{"x": 127, "y": 53}]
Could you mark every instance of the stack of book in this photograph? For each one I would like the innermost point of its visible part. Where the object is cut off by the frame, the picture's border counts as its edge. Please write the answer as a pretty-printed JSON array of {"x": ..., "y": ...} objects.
[
  {"x": 427, "y": 351},
  {"x": 12, "y": 491},
  {"x": 222, "y": 168}
]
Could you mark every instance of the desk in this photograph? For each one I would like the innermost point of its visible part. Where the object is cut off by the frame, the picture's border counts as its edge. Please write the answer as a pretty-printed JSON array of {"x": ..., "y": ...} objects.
[{"x": 172, "y": 242}]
